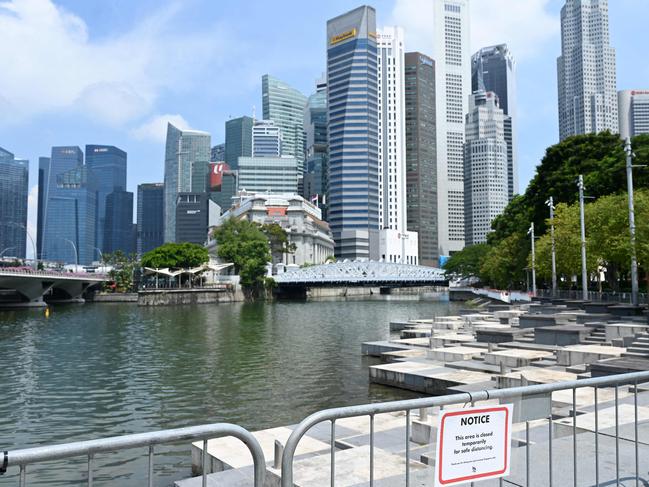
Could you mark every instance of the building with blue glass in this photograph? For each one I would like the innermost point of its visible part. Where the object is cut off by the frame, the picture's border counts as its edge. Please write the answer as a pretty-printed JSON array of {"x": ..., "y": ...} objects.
[
  {"x": 14, "y": 189},
  {"x": 316, "y": 165},
  {"x": 70, "y": 209},
  {"x": 43, "y": 174},
  {"x": 150, "y": 216},
  {"x": 108, "y": 164},
  {"x": 238, "y": 140},
  {"x": 187, "y": 157},
  {"x": 118, "y": 223},
  {"x": 353, "y": 133}
]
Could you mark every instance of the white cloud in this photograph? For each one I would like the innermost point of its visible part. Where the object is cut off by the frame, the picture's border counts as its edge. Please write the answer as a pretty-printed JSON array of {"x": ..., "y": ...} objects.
[
  {"x": 155, "y": 129},
  {"x": 53, "y": 64},
  {"x": 525, "y": 25}
]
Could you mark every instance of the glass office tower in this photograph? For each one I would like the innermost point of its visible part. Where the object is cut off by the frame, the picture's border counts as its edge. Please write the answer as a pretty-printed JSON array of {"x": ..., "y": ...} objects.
[
  {"x": 14, "y": 189},
  {"x": 238, "y": 140},
  {"x": 187, "y": 158},
  {"x": 150, "y": 216},
  {"x": 353, "y": 133},
  {"x": 284, "y": 105}
]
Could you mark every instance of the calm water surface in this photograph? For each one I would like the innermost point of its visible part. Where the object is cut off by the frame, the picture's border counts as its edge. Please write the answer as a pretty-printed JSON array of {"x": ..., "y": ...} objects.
[{"x": 100, "y": 370}]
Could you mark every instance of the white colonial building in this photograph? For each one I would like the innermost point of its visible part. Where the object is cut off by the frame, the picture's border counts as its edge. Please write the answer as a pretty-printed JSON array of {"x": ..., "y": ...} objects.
[{"x": 301, "y": 220}]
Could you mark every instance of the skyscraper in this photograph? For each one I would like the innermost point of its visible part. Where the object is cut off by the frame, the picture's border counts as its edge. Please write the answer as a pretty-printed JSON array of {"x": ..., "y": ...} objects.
[
  {"x": 187, "y": 156},
  {"x": 70, "y": 217},
  {"x": 633, "y": 108},
  {"x": 492, "y": 69},
  {"x": 14, "y": 189},
  {"x": 268, "y": 174},
  {"x": 586, "y": 70},
  {"x": 108, "y": 164},
  {"x": 267, "y": 139},
  {"x": 316, "y": 178},
  {"x": 353, "y": 133},
  {"x": 421, "y": 161},
  {"x": 223, "y": 185},
  {"x": 453, "y": 86},
  {"x": 150, "y": 216},
  {"x": 217, "y": 153},
  {"x": 43, "y": 175},
  {"x": 485, "y": 166},
  {"x": 118, "y": 224},
  {"x": 238, "y": 139},
  {"x": 396, "y": 243},
  {"x": 284, "y": 105},
  {"x": 70, "y": 208}
]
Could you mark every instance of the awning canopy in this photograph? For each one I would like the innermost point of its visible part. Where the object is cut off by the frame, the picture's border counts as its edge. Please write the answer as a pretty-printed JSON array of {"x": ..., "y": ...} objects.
[{"x": 196, "y": 270}]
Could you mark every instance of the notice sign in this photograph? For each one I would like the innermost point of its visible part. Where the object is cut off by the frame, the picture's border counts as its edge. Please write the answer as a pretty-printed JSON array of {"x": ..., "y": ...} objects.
[{"x": 473, "y": 444}]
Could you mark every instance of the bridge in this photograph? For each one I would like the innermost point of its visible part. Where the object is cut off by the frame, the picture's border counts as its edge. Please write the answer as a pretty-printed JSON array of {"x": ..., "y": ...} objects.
[
  {"x": 384, "y": 275},
  {"x": 25, "y": 287}
]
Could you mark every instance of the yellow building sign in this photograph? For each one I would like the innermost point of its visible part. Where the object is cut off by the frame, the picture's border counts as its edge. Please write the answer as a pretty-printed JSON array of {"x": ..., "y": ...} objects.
[{"x": 343, "y": 37}]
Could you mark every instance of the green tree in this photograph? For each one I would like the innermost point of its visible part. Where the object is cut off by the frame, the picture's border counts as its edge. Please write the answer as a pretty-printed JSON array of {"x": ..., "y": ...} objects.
[
  {"x": 468, "y": 261},
  {"x": 504, "y": 265},
  {"x": 245, "y": 245},
  {"x": 123, "y": 270},
  {"x": 183, "y": 255}
]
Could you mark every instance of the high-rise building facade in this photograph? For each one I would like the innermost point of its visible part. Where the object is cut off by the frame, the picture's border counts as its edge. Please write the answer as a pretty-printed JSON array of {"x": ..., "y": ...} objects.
[
  {"x": 43, "y": 175},
  {"x": 586, "y": 70},
  {"x": 316, "y": 177},
  {"x": 421, "y": 160},
  {"x": 633, "y": 109},
  {"x": 284, "y": 105},
  {"x": 69, "y": 232},
  {"x": 485, "y": 166},
  {"x": 453, "y": 87},
  {"x": 238, "y": 139},
  {"x": 150, "y": 216},
  {"x": 353, "y": 133},
  {"x": 118, "y": 223},
  {"x": 187, "y": 156},
  {"x": 14, "y": 190},
  {"x": 266, "y": 139},
  {"x": 268, "y": 174},
  {"x": 217, "y": 153},
  {"x": 223, "y": 185},
  {"x": 108, "y": 163},
  {"x": 493, "y": 69},
  {"x": 192, "y": 216},
  {"x": 396, "y": 243},
  {"x": 70, "y": 208}
]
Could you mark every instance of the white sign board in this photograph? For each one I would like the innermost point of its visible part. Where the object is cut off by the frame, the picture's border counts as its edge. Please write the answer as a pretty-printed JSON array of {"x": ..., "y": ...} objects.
[{"x": 473, "y": 444}]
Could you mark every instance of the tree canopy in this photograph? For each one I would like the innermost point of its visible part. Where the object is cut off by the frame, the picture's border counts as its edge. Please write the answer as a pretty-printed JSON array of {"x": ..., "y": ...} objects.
[
  {"x": 245, "y": 245},
  {"x": 175, "y": 256}
]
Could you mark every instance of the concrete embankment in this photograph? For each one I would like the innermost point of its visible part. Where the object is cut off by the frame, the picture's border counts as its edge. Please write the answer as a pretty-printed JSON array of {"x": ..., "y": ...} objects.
[
  {"x": 353, "y": 291},
  {"x": 174, "y": 297},
  {"x": 114, "y": 298}
]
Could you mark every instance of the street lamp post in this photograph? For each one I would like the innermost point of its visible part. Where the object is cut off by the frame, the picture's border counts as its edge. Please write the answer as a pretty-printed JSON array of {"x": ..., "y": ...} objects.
[
  {"x": 531, "y": 233},
  {"x": 550, "y": 203},
  {"x": 20, "y": 225},
  {"x": 101, "y": 254},
  {"x": 584, "y": 271},
  {"x": 76, "y": 254},
  {"x": 3, "y": 252},
  {"x": 634, "y": 259}
]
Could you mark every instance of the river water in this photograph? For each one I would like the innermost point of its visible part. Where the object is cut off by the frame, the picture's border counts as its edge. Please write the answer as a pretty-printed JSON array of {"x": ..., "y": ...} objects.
[{"x": 99, "y": 370}]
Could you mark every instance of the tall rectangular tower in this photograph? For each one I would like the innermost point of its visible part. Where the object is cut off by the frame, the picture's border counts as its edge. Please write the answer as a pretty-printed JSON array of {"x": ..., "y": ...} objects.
[
  {"x": 238, "y": 139},
  {"x": 284, "y": 105},
  {"x": 353, "y": 133},
  {"x": 421, "y": 157},
  {"x": 150, "y": 216},
  {"x": 14, "y": 189},
  {"x": 108, "y": 163},
  {"x": 485, "y": 166},
  {"x": 586, "y": 70},
  {"x": 453, "y": 87},
  {"x": 633, "y": 107},
  {"x": 492, "y": 69},
  {"x": 187, "y": 157},
  {"x": 43, "y": 174}
]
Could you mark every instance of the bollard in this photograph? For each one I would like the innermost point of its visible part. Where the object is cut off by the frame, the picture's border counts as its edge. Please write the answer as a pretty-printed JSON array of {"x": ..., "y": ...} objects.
[
  {"x": 490, "y": 347},
  {"x": 423, "y": 414},
  {"x": 279, "y": 451}
]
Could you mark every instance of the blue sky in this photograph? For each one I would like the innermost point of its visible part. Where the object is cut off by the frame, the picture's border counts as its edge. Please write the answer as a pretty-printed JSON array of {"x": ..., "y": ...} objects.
[{"x": 112, "y": 72}]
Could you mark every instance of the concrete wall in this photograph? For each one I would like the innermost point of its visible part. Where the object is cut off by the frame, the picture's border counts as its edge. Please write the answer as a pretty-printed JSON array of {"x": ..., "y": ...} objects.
[{"x": 187, "y": 296}]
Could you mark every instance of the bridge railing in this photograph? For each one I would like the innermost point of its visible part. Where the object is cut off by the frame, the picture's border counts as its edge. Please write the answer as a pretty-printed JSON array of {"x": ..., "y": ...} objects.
[{"x": 44, "y": 273}]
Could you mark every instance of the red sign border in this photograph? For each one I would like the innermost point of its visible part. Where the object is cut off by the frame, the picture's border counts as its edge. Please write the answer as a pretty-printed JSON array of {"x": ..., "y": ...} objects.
[{"x": 441, "y": 444}]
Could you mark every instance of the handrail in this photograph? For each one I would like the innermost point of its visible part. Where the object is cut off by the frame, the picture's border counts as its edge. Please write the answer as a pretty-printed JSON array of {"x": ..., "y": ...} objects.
[
  {"x": 89, "y": 448},
  {"x": 427, "y": 402}
]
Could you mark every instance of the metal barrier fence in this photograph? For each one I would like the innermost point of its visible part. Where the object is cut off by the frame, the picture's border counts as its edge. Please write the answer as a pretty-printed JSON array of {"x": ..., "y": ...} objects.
[
  {"x": 521, "y": 393},
  {"x": 622, "y": 297},
  {"x": 31, "y": 456}
]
